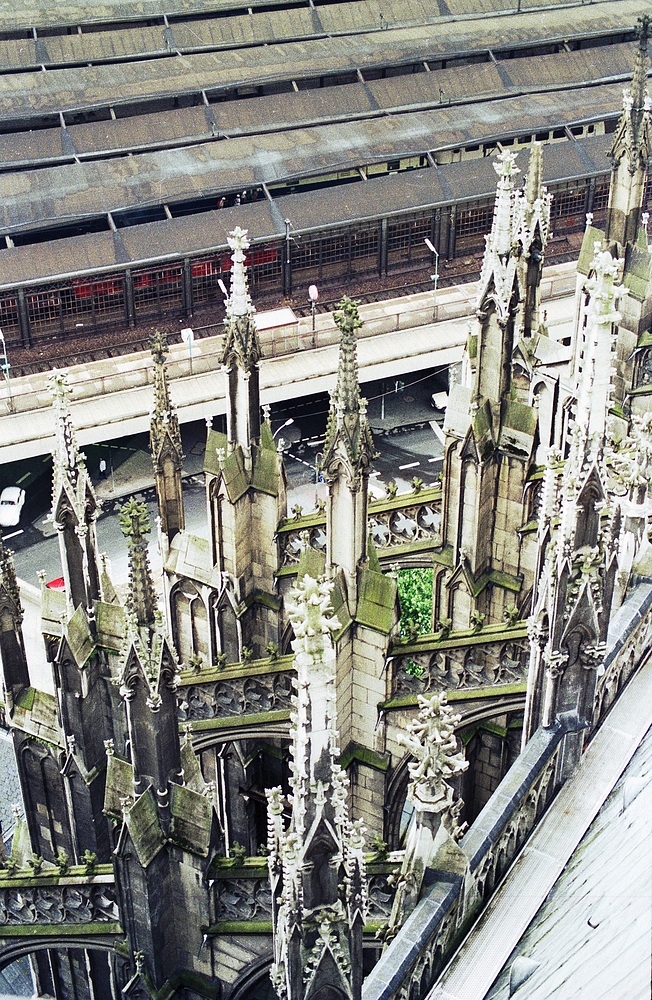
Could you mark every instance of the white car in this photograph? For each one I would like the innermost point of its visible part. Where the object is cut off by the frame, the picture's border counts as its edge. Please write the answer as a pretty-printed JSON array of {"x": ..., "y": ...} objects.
[{"x": 12, "y": 499}]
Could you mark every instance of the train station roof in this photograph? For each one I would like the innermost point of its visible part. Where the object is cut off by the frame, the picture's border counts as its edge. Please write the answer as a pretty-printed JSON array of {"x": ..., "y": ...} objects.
[
  {"x": 122, "y": 128},
  {"x": 359, "y": 202}
]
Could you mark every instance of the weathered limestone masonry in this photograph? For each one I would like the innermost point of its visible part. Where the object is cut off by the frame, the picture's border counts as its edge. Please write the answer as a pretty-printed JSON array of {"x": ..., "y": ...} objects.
[
  {"x": 222, "y": 592},
  {"x": 626, "y": 236},
  {"x": 317, "y": 869},
  {"x": 464, "y": 883},
  {"x": 486, "y": 563},
  {"x": 166, "y": 830}
]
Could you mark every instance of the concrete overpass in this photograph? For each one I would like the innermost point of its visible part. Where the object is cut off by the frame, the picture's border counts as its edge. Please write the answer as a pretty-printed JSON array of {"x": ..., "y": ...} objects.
[{"x": 113, "y": 398}]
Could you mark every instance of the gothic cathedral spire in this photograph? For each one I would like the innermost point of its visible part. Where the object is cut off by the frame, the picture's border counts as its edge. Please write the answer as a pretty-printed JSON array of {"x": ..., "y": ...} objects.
[
  {"x": 74, "y": 506},
  {"x": 631, "y": 150},
  {"x": 348, "y": 452},
  {"x": 166, "y": 447}
]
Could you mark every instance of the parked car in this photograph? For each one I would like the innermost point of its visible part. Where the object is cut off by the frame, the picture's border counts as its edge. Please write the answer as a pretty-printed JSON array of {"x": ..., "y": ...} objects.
[{"x": 12, "y": 499}]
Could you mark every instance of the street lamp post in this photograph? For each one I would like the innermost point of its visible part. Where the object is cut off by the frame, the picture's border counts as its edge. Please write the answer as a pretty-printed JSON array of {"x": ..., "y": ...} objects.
[
  {"x": 313, "y": 295},
  {"x": 290, "y": 420},
  {"x": 434, "y": 277},
  {"x": 5, "y": 368},
  {"x": 188, "y": 336},
  {"x": 287, "y": 282}
]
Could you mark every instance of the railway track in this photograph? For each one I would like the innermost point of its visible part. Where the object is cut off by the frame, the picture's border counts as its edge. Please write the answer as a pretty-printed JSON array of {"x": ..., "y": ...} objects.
[{"x": 79, "y": 354}]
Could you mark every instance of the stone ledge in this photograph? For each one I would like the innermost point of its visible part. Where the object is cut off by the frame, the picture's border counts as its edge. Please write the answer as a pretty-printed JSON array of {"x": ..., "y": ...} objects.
[
  {"x": 386, "y": 978},
  {"x": 60, "y": 930}
]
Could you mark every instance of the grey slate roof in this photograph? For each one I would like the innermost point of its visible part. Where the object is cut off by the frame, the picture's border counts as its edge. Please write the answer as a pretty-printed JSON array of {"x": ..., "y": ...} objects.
[{"x": 592, "y": 937}]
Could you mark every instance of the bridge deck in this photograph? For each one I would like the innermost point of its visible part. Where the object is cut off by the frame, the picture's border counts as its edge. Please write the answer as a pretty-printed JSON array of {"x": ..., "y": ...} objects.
[{"x": 113, "y": 397}]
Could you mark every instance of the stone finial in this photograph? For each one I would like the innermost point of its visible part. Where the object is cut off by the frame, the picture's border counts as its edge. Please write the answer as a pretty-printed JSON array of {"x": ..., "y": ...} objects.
[
  {"x": 500, "y": 237},
  {"x": 593, "y": 382},
  {"x": 310, "y": 611},
  {"x": 534, "y": 177},
  {"x": 347, "y": 419},
  {"x": 433, "y": 744},
  {"x": 241, "y": 354},
  {"x": 162, "y": 406},
  {"x": 347, "y": 390},
  {"x": 638, "y": 92},
  {"x": 135, "y": 525},
  {"x": 66, "y": 454},
  {"x": 239, "y": 301}
]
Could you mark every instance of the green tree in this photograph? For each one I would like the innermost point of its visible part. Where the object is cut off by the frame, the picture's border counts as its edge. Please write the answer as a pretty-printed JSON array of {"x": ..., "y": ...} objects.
[{"x": 415, "y": 593}]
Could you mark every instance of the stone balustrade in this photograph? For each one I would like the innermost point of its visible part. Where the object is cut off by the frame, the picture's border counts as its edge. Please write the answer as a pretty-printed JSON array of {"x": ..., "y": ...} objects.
[
  {"x": 242, "y": 895},
  {"x": 400, "y": 526},
  {"x": 29, "y": 900},
  {"x": 465, "y": 660},
  {"x": 630, "y": 641},
  {"x": 257, "y": 687}
]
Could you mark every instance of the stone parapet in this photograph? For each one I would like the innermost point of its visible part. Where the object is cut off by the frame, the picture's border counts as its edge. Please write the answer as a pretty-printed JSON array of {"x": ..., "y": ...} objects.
[
  {"x": 399, "y": 526},
  {"x": 491, "y": 844},
  {"x": 242, "y": 895},
  {"x": 466, "y": 659}
]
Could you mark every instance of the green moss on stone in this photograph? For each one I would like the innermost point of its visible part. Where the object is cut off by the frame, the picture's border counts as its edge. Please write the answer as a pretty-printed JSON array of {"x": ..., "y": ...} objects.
[
  {"x": 241, "y": 721},
  {"x": 60, "y": 930},
  {"x": 26, "y": 699},
  {"x": 241, "y": 927},
  {"x": 363, "y": 755}
]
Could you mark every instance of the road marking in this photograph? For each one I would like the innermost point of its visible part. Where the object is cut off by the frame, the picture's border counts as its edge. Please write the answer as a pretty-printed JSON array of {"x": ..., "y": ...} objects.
[
  {"x": 410, "y": 465},
  {"x": 23, "y": 478},
  {"x": 435, "y": 459},
  {"x": 5, "y": 538}
]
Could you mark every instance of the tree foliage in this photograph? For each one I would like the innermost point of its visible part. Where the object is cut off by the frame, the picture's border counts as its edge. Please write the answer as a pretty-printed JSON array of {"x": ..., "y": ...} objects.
[{"x": 415, "y": 593}]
